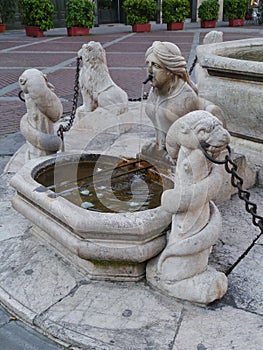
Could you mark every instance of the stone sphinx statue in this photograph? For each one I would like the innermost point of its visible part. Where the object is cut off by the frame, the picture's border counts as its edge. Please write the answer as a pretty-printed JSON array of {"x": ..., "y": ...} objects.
[
  {"x": 182, "y": 268},
  {"x": 173, "y": 94},
  {"x": 44, "y": 108}
]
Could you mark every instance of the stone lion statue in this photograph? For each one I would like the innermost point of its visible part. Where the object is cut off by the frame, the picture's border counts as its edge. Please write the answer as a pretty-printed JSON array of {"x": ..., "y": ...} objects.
[
  {"x": 182, "y": 268},
  {"x": 44, "y": 108},
  {"x": 97, "y": 87}
]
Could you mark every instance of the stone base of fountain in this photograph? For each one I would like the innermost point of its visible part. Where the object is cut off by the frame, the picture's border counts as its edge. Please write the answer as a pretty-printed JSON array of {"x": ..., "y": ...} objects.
[{"x": 100, "y": 269}]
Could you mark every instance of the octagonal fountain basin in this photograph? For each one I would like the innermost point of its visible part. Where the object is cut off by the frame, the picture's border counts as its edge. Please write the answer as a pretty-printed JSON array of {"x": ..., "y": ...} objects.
[
  {"x": 230, "y": 74},
  {"x": 101, "y": 212}
]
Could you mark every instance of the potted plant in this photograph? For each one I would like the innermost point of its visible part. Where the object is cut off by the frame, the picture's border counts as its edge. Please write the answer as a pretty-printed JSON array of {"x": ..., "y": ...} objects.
[
  {"x": 174, "y": 13},
  {"x": 235, "y": 11},
  {"x": 79, "y": 16},
  {"x": 139, "y": 14},
  {"x": 208, "y": 13},
  {"x": 7, "y": 12},
  {"x": 36, "y": 16}
]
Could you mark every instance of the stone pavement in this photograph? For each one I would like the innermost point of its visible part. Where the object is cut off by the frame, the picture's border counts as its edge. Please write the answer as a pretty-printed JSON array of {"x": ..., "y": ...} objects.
[{"x": 41, "y": 288}]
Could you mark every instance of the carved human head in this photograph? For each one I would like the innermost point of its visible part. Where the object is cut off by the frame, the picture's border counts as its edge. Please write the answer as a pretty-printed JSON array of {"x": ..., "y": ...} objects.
[{"x": 168, "y": 56}]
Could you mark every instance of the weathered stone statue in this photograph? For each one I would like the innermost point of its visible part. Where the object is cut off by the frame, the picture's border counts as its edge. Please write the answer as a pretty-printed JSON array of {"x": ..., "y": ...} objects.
[
  {"x": 99, "y": 92},
  {"x": 182, "y": 268},
  {"x": 212, "y": 37},
  {"x": 173, "y": 94},
  {"x": 44, "y": 108}
]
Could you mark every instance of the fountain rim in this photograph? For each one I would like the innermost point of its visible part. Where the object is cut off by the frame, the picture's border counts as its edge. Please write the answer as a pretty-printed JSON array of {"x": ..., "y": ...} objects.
[
  {"x": 211, "y": 56},
  {"x": 133, "y": 226}
]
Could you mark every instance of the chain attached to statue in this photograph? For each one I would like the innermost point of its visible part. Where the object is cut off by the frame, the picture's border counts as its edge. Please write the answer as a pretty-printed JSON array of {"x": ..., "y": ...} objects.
[
  {"x": 237, "y": 182},
  {"x": 63, "y": 128}
]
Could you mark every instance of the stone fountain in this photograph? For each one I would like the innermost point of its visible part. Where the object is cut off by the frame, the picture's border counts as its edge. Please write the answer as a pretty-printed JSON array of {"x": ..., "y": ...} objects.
[
  {"x": 230, "y": 74},
  {"x": 117, "y": 244},
  {"x": 113, "y": 243},
  {"x": 109, "y": 246}
]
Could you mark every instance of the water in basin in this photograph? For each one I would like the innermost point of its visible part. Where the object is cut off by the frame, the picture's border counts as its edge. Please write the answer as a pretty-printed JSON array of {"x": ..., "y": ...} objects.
[
  {"x": 248, "y": 54},
  {"x": 130, "y": 186}
]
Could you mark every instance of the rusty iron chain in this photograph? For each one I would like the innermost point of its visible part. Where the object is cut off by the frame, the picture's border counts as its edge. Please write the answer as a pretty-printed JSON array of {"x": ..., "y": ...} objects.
[
  {"x": 193, "y": 65},
  {"x": 244, "y": 195},
  {"x": 145, "y": 96},
  {"x": 237, "y": 182},
  {"x": 20, "y": 95},
  {"x": 62, "y": 128}
]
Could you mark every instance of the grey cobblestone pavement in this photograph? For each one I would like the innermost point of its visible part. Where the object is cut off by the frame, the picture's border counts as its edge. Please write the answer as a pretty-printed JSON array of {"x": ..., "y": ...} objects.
[{"x": 55, "y": 54}]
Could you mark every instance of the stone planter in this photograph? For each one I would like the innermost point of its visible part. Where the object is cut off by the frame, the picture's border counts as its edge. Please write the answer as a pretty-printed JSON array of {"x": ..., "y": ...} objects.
[
  {"x": 34, "y": 31},
  {"x": 141, "y": 28},
  {"x": 78, "y": 31},
  {"x": 208, "y": 24},
  {"x": 236, "y": 22},
  {"x": 175, "y": 26},
  {"x": 2, "y": 28}
]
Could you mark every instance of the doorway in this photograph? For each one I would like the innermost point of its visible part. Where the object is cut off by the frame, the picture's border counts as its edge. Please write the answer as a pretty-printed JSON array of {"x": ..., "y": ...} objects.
[{"x": 110, "y": 11}]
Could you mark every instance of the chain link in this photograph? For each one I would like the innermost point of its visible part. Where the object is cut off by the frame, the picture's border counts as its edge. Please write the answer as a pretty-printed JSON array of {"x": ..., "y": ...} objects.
[
  {"x": 21, "y": 96},
  {"x": 193, "y": 65},
  {"x": 145, "y": 96},
  {"x": 237, "y": 182},
  {"x": 62, "y": 128}
]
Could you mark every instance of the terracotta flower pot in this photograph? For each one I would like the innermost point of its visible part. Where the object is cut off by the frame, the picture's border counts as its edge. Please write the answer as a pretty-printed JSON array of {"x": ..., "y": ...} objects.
[
  {"x": 2, "y": 28},
  {"x": 34, "y": 31},
  {"x": 175, "y": 26},
  {"x": 208, "y": 24},
  {"x": 78, "y": 31},
  {"x": 236, "y": 22},
  {"x": 141, "y": 28}
]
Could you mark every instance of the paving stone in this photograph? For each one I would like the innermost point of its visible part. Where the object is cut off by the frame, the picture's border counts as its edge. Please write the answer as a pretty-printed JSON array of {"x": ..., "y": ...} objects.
[
  {"x": 222, "y": 329},
  {"x": 16, "y": 336},
  {"x": 238, "y": 232},
  {"x": 9, "y": 227},
  {"x": 9, "y": 144},
  {"x": 245, "y": 287},
  {"x": 3, "y": 161},
  {"x": 4, "y": 317},
  {"x": 34, "y": 59},
  {"x": 33, "y": 275},
  {"x": 114, "y": 316}
]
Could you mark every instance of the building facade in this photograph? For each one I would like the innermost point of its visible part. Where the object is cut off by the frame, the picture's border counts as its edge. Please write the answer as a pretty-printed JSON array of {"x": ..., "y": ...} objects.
[{"x": 111, "y": 11}]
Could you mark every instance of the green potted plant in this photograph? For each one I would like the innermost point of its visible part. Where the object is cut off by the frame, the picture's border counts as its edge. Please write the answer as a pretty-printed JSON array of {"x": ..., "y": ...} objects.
[
  {"x": 79, "y": 16},
  {"x": 7, "y": 12},
  {"x": 208, "y": 13},
  {"x": 175, "y": 13},
  {"x": 139, "y": 13},
  {"x": 36, "y": 16},
  {"x": 235, "y": 11}
]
